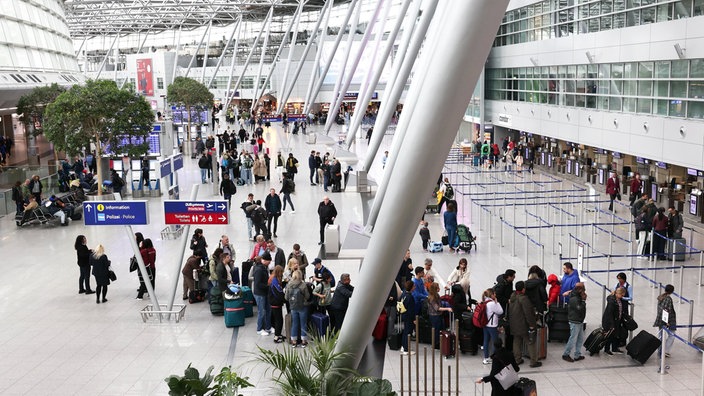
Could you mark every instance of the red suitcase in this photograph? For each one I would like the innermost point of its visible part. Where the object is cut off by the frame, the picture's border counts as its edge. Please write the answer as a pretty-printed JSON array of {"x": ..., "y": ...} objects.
[
  {"x": 447, "y": 344},
  {"x": 379, "y": 332}
]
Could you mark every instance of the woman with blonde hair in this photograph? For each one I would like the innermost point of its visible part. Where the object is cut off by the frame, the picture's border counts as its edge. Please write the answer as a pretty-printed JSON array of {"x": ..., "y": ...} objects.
[
  {"x": 297, "y": 295},
  {"x": 291, "y": 267},
  {"x": 101, "y": 270},
  {"x": 436, "y": 309}
]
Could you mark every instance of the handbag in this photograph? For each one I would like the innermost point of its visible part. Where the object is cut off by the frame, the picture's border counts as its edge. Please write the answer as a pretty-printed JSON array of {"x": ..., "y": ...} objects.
[
  {"x": 133, "y": 264},
  {"x": 400, "y": 307},
  {"x": 628, "y": 323},
  {"x": 111, "y": 274},
  {"x": 507, "y": 377}
]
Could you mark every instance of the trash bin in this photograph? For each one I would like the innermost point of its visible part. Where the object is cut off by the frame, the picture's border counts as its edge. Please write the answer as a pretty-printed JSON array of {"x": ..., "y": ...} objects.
[{"x": 312, "y": 137}]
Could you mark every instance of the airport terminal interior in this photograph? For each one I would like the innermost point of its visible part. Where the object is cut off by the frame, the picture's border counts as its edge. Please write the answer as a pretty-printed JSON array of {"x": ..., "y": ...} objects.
[{"x": 584, "y": 89}]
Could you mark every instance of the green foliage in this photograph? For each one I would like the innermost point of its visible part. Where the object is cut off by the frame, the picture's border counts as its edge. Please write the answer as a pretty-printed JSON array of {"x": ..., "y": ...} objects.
[
  {"x": 33, "y": 105},
  {"x": 189, "y": 93},
  {"x": 227, "y": 383},
  {"x": 314, "y": 371},
  {"x": 99, "y": 113},
  {"x": 191, "y": 384}
]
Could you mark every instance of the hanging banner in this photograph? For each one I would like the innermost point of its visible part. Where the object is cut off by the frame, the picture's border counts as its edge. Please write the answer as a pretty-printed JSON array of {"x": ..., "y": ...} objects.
[{"x": 145, "y": 83}]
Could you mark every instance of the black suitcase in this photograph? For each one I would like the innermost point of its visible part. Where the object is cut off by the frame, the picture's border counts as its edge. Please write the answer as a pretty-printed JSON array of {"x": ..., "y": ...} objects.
[
  {"x": 596, "y": 340},
  {"x": 642, "y": 346},
  {"x": 467, "y": 342},
  {"x": 246, "y": 267},
  {"x": 424, "y": 331},
  {"x": 217, "y": 305},
  {"x": 196, "y": 296},
  {"x": 395, "y": 337},
  {"x": 526, "y": 387},
  {"x": 558, "y": 325},
  {"x": 466, "y": 321},
  {"x": 76, "y": 216}
]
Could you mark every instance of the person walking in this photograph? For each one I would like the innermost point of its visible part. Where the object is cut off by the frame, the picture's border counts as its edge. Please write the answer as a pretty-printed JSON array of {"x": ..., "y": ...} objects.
[
  {"x": 613, "y": 188},
  {"x": 327, "y": 214},
  {"x": 611, "y": 320},
  {"x": 576, "y": 312},
  {"x": 227, "y": 189},
  {"x": 148, "y": 254},
  {"x": 101, "y": 271},
  {"x": 83, "y": 258},
  {"x": 287, "y": 188},
  {"x": 500, "y": 359}
]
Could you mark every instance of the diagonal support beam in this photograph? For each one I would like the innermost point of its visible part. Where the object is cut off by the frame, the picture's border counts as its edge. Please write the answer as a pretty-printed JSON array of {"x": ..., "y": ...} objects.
[{"x": 292, "y": 48}]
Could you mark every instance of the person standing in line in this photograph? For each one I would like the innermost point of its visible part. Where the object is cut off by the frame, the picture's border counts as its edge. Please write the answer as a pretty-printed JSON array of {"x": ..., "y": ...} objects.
[
  {"x": 101, "y": 269},
  {"x": 611, "y": 320},
  {"x": 203, "y": 165},
  {"x": 621, "y": 282},
  {"x": 613, "y": 188},
  {"x": 327, "y": 214},
  {"x": 660, "y": 226},
  {"x": 148, "y": 254},
  {"x": 576, "y": 312},
  {"x": 83, "y": 258},
  {"x": 407, "y": 317},
  {"x": 570, "y": 278},
  {"x": 272, "y": 203},
  {"x": 636, "y": 185},
  {"x": 312, "y": 163},
  {"x": 665, "y": 305},
  {"x": 340, "y": 302},
  {"x": 301, "y": 257},
  {"x": 675, "y": 223},
  {"x": 318, "y": 168},
  {"x": 297, "y": 295},
  {"x": 199, "y": 245},
  {"x": 260, "y": 289},
  {"x": 450, "y": 221},
  {"x": 521, "y": 316},
  {"x": 405, "y": 273},
  {"x": 493, "y": 313},
  {"x": 250, "y": 223},
  {"x": 189, "y": 272},
  {"x": 276, "y": 302}
]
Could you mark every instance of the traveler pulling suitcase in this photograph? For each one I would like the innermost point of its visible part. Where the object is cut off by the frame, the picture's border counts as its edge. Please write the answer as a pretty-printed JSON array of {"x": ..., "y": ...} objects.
[
  {"x": 596, "y": 340},
  {"x": 678, "y": 247},
  {"x": 642, "y": 346}
]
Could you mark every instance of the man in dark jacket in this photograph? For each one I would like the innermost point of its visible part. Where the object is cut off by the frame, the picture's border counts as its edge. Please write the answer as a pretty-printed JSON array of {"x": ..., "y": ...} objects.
[
  {"x": 327, "y": 214},
  {"x": 537, "y": 292},
  {"x": 340, "y": 302},
  {"x": 576, "y": 311},
  {"x": 258, "y": 216},
  {"x": 312, "y": 166},
  {"x": 227, "y": 188},
  {"x": 277, "y": 254},
  {"x": 521, "y": 314},
  {"x": 272, "y": 203},
  {"x": 260, "y": 289},
  {"x": 504, "y": 287},
  {"x": 203, "y": 165}
]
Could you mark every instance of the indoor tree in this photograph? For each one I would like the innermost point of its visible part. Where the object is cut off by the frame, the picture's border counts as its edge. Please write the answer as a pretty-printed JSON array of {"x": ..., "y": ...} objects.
[
  {"x": 192, "y": 95},
  {"x": 32, "y": 106},
  {"x": 100, "y": 113}
]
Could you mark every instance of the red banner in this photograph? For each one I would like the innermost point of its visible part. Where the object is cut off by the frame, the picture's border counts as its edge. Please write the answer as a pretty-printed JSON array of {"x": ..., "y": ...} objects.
[{"x": 145, "y": 80}]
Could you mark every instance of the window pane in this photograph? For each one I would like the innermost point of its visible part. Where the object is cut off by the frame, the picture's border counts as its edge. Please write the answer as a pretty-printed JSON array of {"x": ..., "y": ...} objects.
[
  {"x": 629, "y": 105},
  {"x": 645, "y": 106},
  {"x": 683, "y": 9},
  {"x": 645, "y": 70},
  {"x": 615, "y": 103},
  {"x": 678, "y": 89},
  {"x": 696, "y": 89},
  {"x": 695, "y": 110},
  {"x": 661, "y": 89},
  {"x": 662, "y": 69},
  {"x": 645, "y": 88},
  {"x": 661, "y": 107},
  {"x": 677, "y": 108},
  {"x": 697, "y": 69},
  {"x": 679, "y": 68},
  {"x": 630, "y": 70},
  {"x": 617, "y": 70},
  {"x": 629, "y": 88}
]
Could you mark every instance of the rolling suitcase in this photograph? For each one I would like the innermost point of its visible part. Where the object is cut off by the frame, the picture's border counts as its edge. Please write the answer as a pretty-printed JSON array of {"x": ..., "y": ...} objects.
[
  {"x": 596, "y": 340},
  {"x": 234, "y": 312},
  {"x": 321, "y": 323},
  {"x": 466, "y": 321},
  {"x": 467, "y": 344},
  {"x": 678, "y": 247},
  {"x": 246, "y": 267},
  {"x": 217, "y": 306},
  {"x": 248, "y": 300},
  {"x": 558, "y": 325},
  {"x": 379, "y": 332},
  {"x": 196, "y": 296},
  {"x": 541, "y": 343},
  {"x": 526, "y": 387},
  {"x": 424, "y": 333},
  {"x": 447, "y": 344},
  {"x": 642, "y": 346},
  {"x": 434, "y": 247}
]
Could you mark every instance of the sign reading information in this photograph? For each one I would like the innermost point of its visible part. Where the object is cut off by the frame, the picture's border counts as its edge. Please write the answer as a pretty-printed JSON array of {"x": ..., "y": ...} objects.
[{"x": 115, "y": 213}]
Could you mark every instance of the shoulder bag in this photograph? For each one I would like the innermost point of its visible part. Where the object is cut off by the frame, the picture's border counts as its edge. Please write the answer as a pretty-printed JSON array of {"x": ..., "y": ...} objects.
[{"x": 507, "y": 377}]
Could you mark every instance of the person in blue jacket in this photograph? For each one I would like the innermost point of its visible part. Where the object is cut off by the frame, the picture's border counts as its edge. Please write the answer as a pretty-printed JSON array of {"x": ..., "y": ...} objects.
[
  {"x": 419, "y": 291},
  {"x": 408, "y": 316},
  {"x": 450, "y": 219},
  {"x": 569, "y": 280}
]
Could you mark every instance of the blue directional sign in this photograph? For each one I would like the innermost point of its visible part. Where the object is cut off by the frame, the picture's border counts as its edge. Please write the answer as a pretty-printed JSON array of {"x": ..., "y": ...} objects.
[
  {"x": 196, "y": 212},
  {"x": 115, "y": 213},
  {"x": 165, "y": 167},
  {"x": 178, "y": 162}
]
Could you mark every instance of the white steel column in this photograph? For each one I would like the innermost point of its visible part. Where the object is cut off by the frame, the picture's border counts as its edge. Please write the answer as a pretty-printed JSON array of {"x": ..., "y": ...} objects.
[
  {"x": 178, "y": 44},
  {"x": 249, "y": 57},
  {"x": 404, "y": 123},
  {"x": 193, "y": 58},
  {"x": 318, "y": 55},
  {"x": 374, "y": 80},
  {"x": 313, "y": 93},
  {"x": 207, "y": 48},
  {"x": 324, "y": 14},
  {"x": 107, "y": 54},
  {"x": 232, "y": 64},
  {"x": 455, "y": 61},
  {"x": 275, "y": 61},
  {"x": 117, "y": 55},
  {"x": 405, "y": 59},
  {"x": 255, "y": 98},
  {"x": 332, "y": 114},
  {"x": 291, "y": 49},
  {"x": 224, "y": 51}
]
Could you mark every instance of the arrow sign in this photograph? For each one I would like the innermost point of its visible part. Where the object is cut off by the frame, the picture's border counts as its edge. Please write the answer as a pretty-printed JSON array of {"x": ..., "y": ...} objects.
[
  {"x": 196, "y": 212},
  {"x": 116, "y": 213}
]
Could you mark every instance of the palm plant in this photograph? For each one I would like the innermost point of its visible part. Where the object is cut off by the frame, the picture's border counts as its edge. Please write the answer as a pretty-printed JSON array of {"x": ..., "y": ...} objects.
[{"x": 314, "y": 371}]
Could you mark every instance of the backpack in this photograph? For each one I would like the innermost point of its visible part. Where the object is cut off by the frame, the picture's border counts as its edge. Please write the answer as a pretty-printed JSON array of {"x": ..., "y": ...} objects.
[
  {"x": 479, "y": 318},
  {"x": 449, "y": 192},
  {"x": 295, "y": 298},
  {"x": 16, "y": 194}
]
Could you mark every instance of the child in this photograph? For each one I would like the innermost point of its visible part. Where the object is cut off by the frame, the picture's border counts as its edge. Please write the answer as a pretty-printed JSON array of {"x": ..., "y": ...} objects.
[
  {"x": 554, "y": 293},
  {"x": 424, "y": 235}
]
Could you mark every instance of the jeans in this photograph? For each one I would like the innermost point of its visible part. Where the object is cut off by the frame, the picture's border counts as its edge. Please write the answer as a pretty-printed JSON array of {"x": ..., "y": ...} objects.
[
  {"x": 203, "y": 175},
  {"x": 299, "y": 321},
  {"x": 451, "y": 235},
  {"x": 263, "y": 313},
  {"x": 250, "y": 224},
  {"x": 668, "y": 342},
  {"x": 576, "y": 340},
  {"x": 246, "y": 175},
  {"x": 408, "y": 327},
  {"x": 287, "y": 198},
  {"x": 491, "y": 334}
]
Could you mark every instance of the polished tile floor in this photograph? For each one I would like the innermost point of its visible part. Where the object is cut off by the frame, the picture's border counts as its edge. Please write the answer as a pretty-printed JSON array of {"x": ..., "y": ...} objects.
[{"x": 57, "y": 342}]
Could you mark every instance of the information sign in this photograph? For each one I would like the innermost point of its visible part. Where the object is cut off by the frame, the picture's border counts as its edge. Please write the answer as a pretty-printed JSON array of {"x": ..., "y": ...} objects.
[{"x": 115, "y": 213}]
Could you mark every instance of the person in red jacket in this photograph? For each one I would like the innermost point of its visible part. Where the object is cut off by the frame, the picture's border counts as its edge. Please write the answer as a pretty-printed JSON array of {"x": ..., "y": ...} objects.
[
  {"x": 636, "y": 185},
  {"x": 613, "y": 189},
  {"x": 660, "y": 223},
  {"x": 554, "y": 292}
]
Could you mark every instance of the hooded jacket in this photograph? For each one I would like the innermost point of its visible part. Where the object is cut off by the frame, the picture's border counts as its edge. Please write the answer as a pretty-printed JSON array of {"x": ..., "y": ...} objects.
[
  {"x": 576, "y": 308},
  {"x": 521, "y": 314},
  {"x": 537, "y": 293},
  {"x": 555, "y": 288}
]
